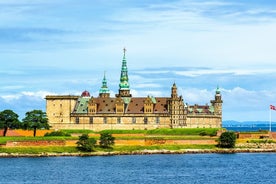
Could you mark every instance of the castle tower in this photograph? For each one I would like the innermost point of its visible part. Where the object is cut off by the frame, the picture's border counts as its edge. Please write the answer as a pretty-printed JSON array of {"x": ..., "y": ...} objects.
[
  {"x": 217, "y": 103},
  {"x": 104, "y": 91},
  {"x": 177, "y": 109},
  {"x": 124, "y": 90}
]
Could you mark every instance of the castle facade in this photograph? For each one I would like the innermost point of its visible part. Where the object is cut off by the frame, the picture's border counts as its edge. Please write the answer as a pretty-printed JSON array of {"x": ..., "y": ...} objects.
[{"x": 126, "y": 112}]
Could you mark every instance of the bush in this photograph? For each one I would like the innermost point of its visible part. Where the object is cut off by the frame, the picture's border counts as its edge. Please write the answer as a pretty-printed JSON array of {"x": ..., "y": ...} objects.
[
  {"x": 106, "y": 140},
  {"x": 227, "y": 140},
  {"x": 202, "y": 133},
  {"x": 57, "y": 133},
  {"x": 85, "y": 143}
]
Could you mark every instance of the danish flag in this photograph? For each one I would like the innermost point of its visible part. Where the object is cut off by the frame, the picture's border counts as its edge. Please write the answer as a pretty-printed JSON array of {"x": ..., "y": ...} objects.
[{"x": 272, "y": 107}]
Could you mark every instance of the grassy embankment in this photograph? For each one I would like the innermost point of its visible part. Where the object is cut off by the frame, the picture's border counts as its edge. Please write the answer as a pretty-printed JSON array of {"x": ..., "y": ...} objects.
[{"x": 167, "y": 134}]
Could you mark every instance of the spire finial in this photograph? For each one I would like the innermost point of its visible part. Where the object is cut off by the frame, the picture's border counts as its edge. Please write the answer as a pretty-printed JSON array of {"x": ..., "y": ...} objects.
[
  {"x": 124, "y": 51},
  {"x": 217, "y": 90}
]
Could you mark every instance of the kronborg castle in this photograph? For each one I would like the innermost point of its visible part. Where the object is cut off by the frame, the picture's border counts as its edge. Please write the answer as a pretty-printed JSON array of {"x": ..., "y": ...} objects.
[{"x": 127, "y": 112}]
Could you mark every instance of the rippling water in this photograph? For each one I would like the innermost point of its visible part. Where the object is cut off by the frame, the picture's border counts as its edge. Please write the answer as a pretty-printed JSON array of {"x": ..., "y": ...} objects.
[
  {"x": 250, "y": 128},
  {"x": 185, "y": 168}
]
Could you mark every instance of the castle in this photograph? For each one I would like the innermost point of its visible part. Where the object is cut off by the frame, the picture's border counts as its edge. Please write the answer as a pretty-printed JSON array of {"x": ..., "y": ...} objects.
[{"x": 126, "y": 112}]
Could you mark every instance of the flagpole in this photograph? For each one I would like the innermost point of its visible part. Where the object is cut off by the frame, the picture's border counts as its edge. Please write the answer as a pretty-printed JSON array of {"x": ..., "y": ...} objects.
[{"x": 270, "y": 119}]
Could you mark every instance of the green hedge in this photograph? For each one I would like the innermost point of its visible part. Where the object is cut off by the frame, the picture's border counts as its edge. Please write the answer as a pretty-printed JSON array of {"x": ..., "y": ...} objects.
[
  {"x": 184, "y": 131},
  {"x": 57, "y": 133},
  {"x": 124, "y": 131},
  {"x": 261, "y": 141},
  {"x": 168, "y": 131},
  {"x": 76, "y": 131}
]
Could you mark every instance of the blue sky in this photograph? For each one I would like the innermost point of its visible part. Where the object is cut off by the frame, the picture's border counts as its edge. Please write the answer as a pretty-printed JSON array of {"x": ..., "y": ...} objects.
[{"x": 64, "y": 47}]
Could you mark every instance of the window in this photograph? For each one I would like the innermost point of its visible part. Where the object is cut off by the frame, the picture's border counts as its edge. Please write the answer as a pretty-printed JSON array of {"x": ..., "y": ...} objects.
[
  {"x": 133, "y": 120},
  {"x": 119, "y": 120},
  {"x": 105, "y": 120},
  {"x": 157, "y": 120},
  {"x": 145, "y": 120},
  {"x": 91, "y": 120},
  {"x": 77, "y": 120}
]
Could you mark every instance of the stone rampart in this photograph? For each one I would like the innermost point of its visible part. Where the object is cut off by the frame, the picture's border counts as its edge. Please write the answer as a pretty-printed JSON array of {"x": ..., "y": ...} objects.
[
  {"x": 149, "y": 142},
  {"x": 34, "y": 143},
  {"x": 257, "y": 145},
  {"x": 252, "y": 135}
]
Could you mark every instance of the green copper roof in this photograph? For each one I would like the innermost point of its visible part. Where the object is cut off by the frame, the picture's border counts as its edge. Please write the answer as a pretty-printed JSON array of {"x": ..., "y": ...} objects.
[
  {"x": 82, "y": 105},
  {"x": 104, "y": 88},
  {"x": 211, "y": 109},
  {"x": 126, "y": 100},
  {"x": 199, "y": 110},
  {"x": 124, "y": 76},
  {"x": 153, "y": 99}
]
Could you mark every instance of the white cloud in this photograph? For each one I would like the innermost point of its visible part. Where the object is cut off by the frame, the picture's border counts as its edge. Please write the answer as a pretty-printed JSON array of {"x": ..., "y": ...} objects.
[
  {"x": 196, "y": 96},
  {"x": 11, "y": 98},
  {"x": 145, "y": 93},
  {"x": 222, "y": 71},
  {"x": 38, "y": 94}
]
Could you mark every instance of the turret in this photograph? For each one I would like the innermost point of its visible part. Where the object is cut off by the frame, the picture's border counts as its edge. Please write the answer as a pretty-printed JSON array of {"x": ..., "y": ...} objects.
[
  {"x": 104, "y": 91},
  {"x": 217, "y": 103},
  {"x": 174, "y": 91}
]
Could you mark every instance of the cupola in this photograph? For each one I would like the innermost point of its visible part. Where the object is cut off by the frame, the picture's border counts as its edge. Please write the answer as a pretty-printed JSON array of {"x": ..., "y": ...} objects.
[{"x": 85, "y": 94}]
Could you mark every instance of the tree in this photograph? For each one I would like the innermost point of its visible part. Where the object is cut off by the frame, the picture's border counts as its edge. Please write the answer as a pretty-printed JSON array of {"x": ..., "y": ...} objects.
[
  {"x": 85, "y": 143},
  {"x": 8, "y": 119},
  {"x": 106, "y": 140},
  {"x": 227, "y": 140},
  {"x": 36, "y": 119}
]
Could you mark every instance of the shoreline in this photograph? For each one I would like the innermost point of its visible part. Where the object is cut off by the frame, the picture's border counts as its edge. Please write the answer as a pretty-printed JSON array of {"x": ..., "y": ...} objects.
[{"x": 142, "y": 152}]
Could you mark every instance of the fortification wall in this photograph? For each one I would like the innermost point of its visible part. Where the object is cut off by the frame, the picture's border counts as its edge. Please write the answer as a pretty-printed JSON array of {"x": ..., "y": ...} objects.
[
  {"x": 203, "y": 121},
  {"x": 126, "y": 123}
]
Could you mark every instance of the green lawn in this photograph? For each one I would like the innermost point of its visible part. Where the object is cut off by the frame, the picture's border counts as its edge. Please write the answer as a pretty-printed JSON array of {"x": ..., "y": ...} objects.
[
  {"x": 162, "y": 147},
  {"x": 168, "y": 131},
  {"x": 3, "y": 140},
  {"x": 165, "y": 134},
  {"x": 72, "y": 149},
  {"x": 39, "y": 150}
]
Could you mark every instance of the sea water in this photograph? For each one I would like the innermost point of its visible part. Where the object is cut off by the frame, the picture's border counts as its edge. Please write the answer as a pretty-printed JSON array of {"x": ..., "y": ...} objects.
[{"x": 167, "y": 169}]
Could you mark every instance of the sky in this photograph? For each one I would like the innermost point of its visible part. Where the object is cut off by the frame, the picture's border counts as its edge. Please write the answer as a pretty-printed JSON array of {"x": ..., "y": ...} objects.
[{"x": 62, "y": 47}]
